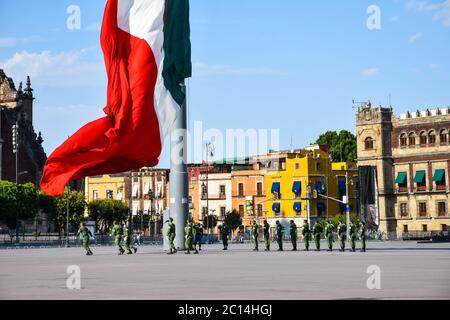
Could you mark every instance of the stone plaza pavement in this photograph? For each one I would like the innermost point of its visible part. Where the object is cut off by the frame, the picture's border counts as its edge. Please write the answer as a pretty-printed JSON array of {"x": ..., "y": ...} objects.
[{"x": 408, "y": 271}]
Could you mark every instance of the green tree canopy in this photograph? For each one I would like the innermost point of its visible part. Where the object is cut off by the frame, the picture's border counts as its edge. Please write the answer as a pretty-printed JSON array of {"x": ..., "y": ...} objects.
[
  {"x": 344, "y": 140},
  {"x": 210, "y": 221},
  {"x": 77, "y": 206},
  {"x": 233, "y": 219},
  {"x": 106, "y": 211}
]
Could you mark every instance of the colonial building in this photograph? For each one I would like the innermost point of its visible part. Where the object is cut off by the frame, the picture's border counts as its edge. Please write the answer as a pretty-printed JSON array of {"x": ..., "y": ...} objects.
[
  {"x": 108, "y": 186},
  {"x": 305, "y": 185},
  {"x": 410, "y": 156},
  {"x": 16, "y": 108}
]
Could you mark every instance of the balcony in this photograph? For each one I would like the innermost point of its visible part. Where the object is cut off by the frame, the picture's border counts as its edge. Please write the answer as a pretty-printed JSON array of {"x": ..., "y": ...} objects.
[{"x": 214, "y": 196}]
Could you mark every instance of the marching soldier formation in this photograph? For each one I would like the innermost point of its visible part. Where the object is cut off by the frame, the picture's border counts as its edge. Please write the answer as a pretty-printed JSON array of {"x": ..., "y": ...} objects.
[{"x": 194, "y": 236}]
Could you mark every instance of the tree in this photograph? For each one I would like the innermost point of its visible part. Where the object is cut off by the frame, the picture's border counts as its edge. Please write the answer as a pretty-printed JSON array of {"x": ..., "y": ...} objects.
[
  {"x": 77, "y": 206},
  {"x": 344, "y": 141},
  {"x": 233, "y": 219},
  {"x": 210, "y": 221},
  {"x": 106, "y": 211}
]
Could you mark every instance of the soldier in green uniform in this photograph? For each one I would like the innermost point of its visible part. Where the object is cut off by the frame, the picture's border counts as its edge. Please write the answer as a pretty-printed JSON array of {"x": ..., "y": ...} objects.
[
  {"x": 306, "y": 233},
  {"x": 171, "y": 233},
  {"x": 255, "y": 235},
  {"x": 341, "y": 231},
  {"x": 267, "y": 235},
  {"x": 127, "y": 240},
  {"x": 198, "y": 236},
  {"x": 352, "y": 235},
  {"x": 362, "y": 236},
  {"x": 117, "y": 233},
  {"x": 329, "y": 235},
  {"x": 189, "y": 236},
  {"x": 317, "y": 234},
  {"x": 293, "y": 234},
  {"x": 86, "y": 234},
  {"x": 279, "y": 236},
  {"x": 224, "y": 233}
]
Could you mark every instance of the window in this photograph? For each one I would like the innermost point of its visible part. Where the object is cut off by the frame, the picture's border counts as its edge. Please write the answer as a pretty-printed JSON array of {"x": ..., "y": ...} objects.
[
  {"x": 297, "y": 166},
  {"x": 276, "y": 187},
  {"x": 320, "y": 187},
  {"x": 95, "y": 194},
  {"x": 318, "y": 166},
  {"x": 431, "y": 138},
  {"x": 403, "y": 140},
  {"x": 439, "y": 179},
  {"x": 422, "y": 209},
  {"x": 444, "y": 227},
  {"x": 342, "y": 187},
  {"x": 204, "y": 191},
  {"x": 241, "y": 189},
  {"x": 402, "y": 181},
  {"x": 442, "y": 210},
  {"x": 259, "y": 189},
  {"x": 222, "y": 191},
  {"x": 297, "y": 189},
  {"x": 368, "y": 143},
  {"x": 443, "y": 137},
  {"x": 425, "y": 228},
  {"x": 420, "y": 180},
  {"x": 223, "y": 212},
  {"x": 204, "y": 211},
  {"x": 109, "y": 194},
  {"x": 276, "y": 208},
  {"x": 423, "y": 138},
  {"x": 405, "y": 228},
  {"x": 260, "y": 210},
  {"x": 241, "y": 210},
  {"x": 412, "y": 139},
  {"x": 403, "y": 210}
]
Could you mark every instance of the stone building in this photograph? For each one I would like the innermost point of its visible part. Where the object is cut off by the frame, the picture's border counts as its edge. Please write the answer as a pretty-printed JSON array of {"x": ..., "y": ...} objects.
[
  {"x": 411, "y": 157},
  {"x": 16, "y": 107}
]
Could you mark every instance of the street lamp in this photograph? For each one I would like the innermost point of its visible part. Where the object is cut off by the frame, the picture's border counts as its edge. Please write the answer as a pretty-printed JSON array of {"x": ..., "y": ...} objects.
[
  {"x": 347, "y": 201},
  {"x": 209, "y": 151}
]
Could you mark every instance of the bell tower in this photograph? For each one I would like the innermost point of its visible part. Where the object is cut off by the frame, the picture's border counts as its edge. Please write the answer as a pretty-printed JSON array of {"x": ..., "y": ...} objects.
[{"x": 374, "y": 131}]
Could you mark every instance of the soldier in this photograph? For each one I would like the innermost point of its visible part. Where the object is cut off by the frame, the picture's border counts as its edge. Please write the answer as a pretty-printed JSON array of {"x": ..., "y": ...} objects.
[
  {"x": 198, "y": 236},
  {"x": 171, "y": 235},
  {"x": 224, "y": 233},
  {"x": 306, "y": 233},
  {"x": 341, "y": 231},
  {"x": 188, "y": 238},
  {"x": 279, "y": 236},
  {"x": 329, "y": 235},
  {"x": 317, "y": 233},
  {"x": 127, "y": 238},
  {"x": 85, "y": 233},
  {"x": 255, "y": 235},
  {"x": 117, "y": 233},
  {"x": 352, "y": 235},
  {"x": 362, "y": 236},
  {"x": 293, "y": 234},
  {"x": 267, "y": 235}
]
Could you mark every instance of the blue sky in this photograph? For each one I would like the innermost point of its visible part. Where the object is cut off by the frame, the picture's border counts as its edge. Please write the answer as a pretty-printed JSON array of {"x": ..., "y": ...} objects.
[{"x": 289, "y": 65}]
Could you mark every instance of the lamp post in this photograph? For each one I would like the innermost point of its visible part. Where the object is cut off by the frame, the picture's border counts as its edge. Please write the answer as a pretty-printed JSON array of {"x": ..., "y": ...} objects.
[
  {"x": 209, "y": 151},
  {"x": 15, "y": 143},
  {"x": 67, "y": 216}
]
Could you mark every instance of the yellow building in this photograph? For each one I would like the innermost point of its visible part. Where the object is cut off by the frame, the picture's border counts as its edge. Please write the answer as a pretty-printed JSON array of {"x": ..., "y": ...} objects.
[
  {"x": 301, "y": 185},
  {"x": 105, "y": 187}
]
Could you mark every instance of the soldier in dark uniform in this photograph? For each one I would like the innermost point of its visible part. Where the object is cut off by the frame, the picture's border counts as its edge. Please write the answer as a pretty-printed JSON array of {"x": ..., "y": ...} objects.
[
  {"x": 255, "y": 235},
  {"x": 224, "y": 233},
  {"x": 86, "y": 234},
  {"x": 117, "y": 233},
  {"x": 341, "y": 231},
  {"x": 293, "y": 234},
  {"x": 198, "y": 236},
  {"x": 352, "y": 235},
  {"x": 279, "y": 235},
  {"x": 317, "y": 234},
  {"x": 306, "y": 234},
  {"x": 267, "y": 235},
  {"x": 329, "y": 235},
  {"x": 171, "y": 234},
  {"x": 362, "y": 236}
]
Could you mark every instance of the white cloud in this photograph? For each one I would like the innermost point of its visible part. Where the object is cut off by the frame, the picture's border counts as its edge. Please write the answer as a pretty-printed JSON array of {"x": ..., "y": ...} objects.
[
  {"x": 440, "y": 9},
  {"x": 203, "y": 70},
  {"x": 370, "y": 72},
  {"x": 9, "y": 42},
  {"x": 415, "y": 37},
  {"x": 56, "y": 69}
]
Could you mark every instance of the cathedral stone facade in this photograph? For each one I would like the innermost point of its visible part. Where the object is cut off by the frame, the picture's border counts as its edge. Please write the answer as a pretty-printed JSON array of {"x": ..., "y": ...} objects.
[
  {"x": 411, "y": 157},
  {"x": 16, "y": 107}
]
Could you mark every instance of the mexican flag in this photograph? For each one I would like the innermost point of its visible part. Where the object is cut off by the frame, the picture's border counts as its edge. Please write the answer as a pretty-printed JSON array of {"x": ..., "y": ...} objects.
[{"x": 147, "y": 51}]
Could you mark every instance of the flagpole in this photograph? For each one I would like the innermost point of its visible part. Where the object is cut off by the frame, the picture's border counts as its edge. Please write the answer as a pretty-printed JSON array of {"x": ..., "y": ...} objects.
[{"x": 179, "y": 185}]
